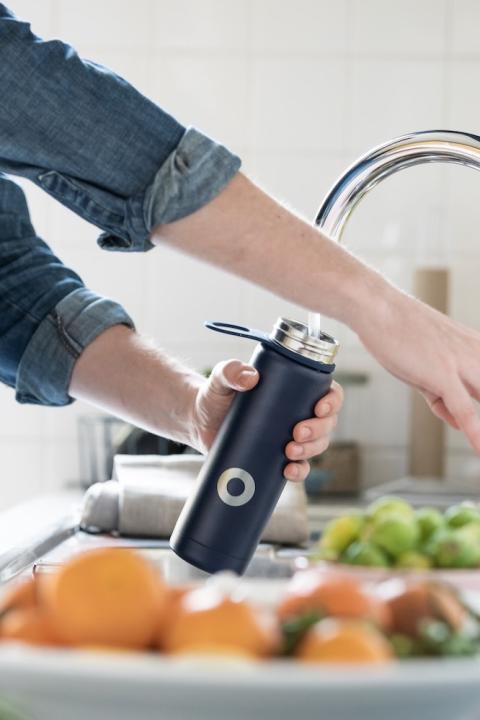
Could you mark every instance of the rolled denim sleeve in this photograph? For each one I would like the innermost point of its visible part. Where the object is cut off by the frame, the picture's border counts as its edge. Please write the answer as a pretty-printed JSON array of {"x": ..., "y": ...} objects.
[
  {"x": 45, "y": 370},
  {"x": 93, "y": 142},
  {"x": 47, "y": 316}
]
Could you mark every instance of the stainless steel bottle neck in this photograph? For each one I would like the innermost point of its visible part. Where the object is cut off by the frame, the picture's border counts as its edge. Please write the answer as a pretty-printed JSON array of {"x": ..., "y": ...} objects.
[{"x": 294, "y": 336}]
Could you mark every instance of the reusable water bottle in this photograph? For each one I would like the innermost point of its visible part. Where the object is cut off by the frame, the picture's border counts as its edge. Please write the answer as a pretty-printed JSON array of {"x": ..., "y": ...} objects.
[{"x": 242, "y": 478}]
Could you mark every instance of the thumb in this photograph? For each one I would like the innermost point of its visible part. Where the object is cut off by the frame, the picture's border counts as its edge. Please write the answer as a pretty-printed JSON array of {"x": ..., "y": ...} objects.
[
  {"x": 460, "y": 406},
  {"x": 231, "y": 375}
]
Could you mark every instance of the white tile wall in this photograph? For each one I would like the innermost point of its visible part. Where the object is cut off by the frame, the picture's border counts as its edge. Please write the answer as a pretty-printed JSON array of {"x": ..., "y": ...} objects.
[
  {"x": 304, "y": 27},
  {"x": 298, "y": 103},
  {"x": 299, "y": 179},
  {"x": 210, "y": 25},
  {"x": 299, "y": 88},
  {"x": 108, "y": 24},
  {"x": 390, "y": 97},
  {"x": 410, "y": 28},
  {"x": 211, "y": 90},
  {"x": 465, "y": 22}
]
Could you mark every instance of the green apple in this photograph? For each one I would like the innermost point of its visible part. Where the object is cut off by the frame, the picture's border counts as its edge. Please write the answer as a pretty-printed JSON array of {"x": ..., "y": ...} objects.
[
  {"x": 414, "y": 560},
  {"x": 341, "y": 532},
  {"x": 388, "y": 504},
  {"x": 456, "y": 550},
  {"x": 394, "y": 532},
  {"x": 364, "y": 553},
  {"x": 428, "y": 520},
  {"x": 459, "y": 515}
]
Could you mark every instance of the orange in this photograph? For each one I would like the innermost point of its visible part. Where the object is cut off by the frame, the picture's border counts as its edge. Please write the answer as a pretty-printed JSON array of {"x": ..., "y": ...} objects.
[
  {"x": 168, "y": 610},
  {"x": 334, "y": 595},
  {"x": 408, "y": 607},
  {"x": 344, "y": 641},
  {"x": 31, "y": 625},
  {"x": 107, "y": 597},
  {"x": 410, "y": 604},
  {"x": 207, "y": 620},
  {"x": 20, "y": 595}
]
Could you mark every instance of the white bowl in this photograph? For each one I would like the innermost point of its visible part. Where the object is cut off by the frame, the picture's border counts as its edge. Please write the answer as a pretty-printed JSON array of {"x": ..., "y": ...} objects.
[
  {"x": 462, "y": 579},
  {"x": 46, "y": 685}
]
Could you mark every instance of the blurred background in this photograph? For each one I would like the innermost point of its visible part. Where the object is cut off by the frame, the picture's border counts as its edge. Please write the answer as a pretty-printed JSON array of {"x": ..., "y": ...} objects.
[{"x": 298, "y": 88}]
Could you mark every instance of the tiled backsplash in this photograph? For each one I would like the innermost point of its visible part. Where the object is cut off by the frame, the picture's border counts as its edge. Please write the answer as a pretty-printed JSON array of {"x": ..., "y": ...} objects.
[{"x": 298, "y": 88}]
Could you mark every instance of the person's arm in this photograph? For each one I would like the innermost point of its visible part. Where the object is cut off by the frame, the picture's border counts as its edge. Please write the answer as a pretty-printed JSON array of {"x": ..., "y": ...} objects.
[
  {"x": 47, "y": 315},
  {"x": 94, "y": 143},
  {"x": 59, "y": 340},
  {"x": 246, "y": 232},
  {"x": 128, "y": 376}
]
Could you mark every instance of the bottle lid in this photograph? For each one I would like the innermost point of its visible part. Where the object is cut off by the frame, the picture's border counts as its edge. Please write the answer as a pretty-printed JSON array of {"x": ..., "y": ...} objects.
[{"x": 294, "y": 336}]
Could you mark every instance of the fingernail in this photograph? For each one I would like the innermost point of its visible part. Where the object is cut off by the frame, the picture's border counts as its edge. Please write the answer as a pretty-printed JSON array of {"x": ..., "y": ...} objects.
[
  {"x": 325, "y": 409},
  {"x": 292, "y": 472},
  {"x": 245, "y": 377},
  {"x": 248, "y": 373},
  {"x": 296, "y": 451},
  {"x": 304, "y": 433}
]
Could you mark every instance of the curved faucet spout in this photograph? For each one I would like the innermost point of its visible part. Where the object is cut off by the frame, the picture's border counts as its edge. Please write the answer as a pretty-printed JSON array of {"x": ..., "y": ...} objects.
[{"x": 416, "y": 148}]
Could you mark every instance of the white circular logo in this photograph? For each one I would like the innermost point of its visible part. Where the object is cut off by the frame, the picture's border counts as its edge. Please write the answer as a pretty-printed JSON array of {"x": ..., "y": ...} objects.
[{"x": 248, "y": 487}]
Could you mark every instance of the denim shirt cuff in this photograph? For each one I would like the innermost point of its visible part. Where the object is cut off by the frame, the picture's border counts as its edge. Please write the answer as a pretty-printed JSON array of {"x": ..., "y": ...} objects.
[
  {"x": 45, "y": 370},
  {"x": 192, "y": 175}
]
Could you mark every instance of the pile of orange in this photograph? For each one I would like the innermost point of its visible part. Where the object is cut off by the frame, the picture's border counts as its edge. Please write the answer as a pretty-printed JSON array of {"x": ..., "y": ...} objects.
[{"x": 114, "y": 598}]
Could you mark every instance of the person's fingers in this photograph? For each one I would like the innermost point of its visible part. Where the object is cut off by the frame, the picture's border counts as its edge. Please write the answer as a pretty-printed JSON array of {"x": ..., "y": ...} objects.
[
  {"x": 460, "y": 405},
  {"x": 297, "y": 471},
  {"x": 437, "y": 406},
  {"x": 298, "y": 451},
  {"x": 232, "y": 375},
  {"x": 314, "y": 428},
  {"x": 331, "y": 403}
]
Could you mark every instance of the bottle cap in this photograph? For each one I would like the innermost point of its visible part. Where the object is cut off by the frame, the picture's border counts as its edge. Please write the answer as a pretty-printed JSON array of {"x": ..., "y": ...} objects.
[{"x": 294, "y": 336}]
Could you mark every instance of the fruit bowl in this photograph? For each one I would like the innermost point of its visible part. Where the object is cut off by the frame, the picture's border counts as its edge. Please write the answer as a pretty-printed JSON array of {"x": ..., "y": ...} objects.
[{"x": 118, "y": 676}]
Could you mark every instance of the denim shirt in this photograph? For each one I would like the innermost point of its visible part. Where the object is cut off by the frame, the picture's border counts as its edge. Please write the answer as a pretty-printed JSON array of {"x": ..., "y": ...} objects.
[{"x": 106, "y": 152}]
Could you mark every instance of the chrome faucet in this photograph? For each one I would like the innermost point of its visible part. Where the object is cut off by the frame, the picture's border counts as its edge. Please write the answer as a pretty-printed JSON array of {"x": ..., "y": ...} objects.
[
  {"x": 359, "y": 179},
  {"x": 370, "y": 169}
]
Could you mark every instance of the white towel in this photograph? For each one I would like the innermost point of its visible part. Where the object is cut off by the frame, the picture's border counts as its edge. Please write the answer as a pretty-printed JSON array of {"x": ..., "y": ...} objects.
[{"x": 147, "y": 493}]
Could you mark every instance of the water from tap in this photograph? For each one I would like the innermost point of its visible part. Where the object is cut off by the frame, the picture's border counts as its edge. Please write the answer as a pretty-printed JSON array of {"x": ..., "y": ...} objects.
[{"x": 314, "y": 324}]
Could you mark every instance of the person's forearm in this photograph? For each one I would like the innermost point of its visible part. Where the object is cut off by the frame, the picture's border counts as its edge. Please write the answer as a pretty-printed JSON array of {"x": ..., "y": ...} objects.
[
  {"x": 248, "y": 233},
  {"x": 125, "y": 375}
]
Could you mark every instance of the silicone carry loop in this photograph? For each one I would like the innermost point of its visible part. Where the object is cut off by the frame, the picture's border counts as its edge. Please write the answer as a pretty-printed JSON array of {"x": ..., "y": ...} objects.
[
  {"x": 253, "y": 334},
  {"x": 239, "y": 331}
]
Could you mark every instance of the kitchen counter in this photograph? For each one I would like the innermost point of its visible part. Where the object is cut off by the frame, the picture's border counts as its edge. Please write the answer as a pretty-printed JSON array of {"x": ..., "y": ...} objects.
[{"x": 45, "y": 528}]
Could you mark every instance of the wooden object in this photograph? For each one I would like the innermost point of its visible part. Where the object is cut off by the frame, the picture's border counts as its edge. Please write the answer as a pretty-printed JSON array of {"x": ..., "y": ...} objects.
[{"x": 427, "y": 433}]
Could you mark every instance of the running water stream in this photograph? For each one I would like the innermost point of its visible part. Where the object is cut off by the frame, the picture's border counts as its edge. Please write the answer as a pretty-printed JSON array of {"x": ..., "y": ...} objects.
[{"x": 314, "y": 324}]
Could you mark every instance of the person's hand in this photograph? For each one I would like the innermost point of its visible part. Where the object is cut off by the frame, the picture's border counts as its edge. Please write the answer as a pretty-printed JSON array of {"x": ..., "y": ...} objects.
[
  {"x": 436, "y": 355},
  {"x": 310, "y": 436}
]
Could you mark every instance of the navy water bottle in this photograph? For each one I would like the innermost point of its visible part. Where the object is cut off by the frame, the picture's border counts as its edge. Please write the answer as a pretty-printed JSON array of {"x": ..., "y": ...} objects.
[{"x": 242, "y": 478}]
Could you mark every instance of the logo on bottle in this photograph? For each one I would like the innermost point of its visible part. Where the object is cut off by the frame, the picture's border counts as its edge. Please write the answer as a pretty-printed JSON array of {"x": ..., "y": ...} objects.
[{"x": 248, "y": 487}]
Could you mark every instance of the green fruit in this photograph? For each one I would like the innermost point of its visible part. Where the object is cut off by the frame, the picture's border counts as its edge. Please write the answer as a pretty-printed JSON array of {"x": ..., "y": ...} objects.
[
  {"x": 470, "y": 532},
  {"x": 456, "y": 550},
  {"x": 459, "y": 515},
  {"x": 388, "y": 504},
  {"x": 428, "y": 520},
  {"x": 395, "y": 532},
  {"x": 414, "y": 560},
  {"x": 430, "y": 546},
  {"x": 364, "y": 553},
  {"x": 403, "y": 645},
  {"x": 326, "y": 554},
  {"x": 341, "y": 532}
]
